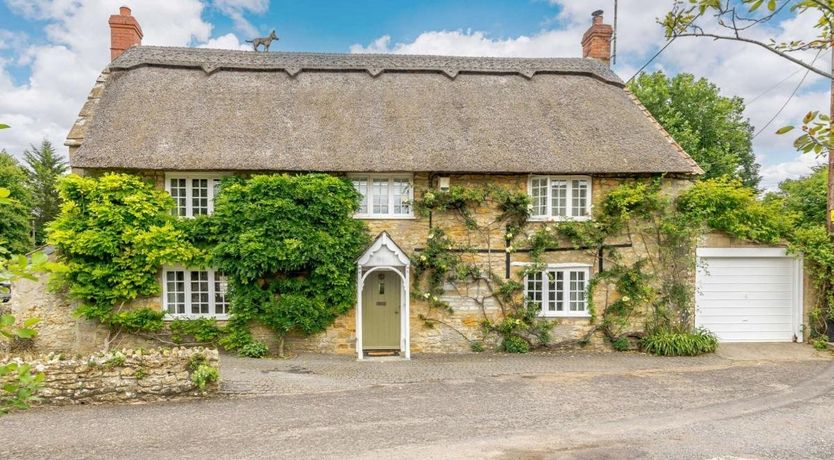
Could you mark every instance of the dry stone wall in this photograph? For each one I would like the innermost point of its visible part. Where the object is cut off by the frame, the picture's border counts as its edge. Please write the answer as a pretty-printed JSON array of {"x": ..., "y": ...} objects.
[{"x": 124, "y": 376}]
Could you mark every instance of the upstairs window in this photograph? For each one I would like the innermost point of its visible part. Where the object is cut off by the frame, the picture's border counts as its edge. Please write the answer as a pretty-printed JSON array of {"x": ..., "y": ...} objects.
[
  {"x": 559, "y": 291},
  {"x": 194, "y": 293},
  {"x": 384, "y": 196},
  {"x": 560, "y": 197},
  {"x": 193, "y": 194}
]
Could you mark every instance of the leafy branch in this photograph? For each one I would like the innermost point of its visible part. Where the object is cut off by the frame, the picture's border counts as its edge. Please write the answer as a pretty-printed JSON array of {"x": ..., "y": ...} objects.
[{"x": 681, "y": 21}]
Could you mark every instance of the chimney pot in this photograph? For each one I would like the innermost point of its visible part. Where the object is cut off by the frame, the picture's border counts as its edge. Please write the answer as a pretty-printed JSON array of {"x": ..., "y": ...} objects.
[
  {"x": 124, "y": 32},
  {"x": 596, "y": 43}
]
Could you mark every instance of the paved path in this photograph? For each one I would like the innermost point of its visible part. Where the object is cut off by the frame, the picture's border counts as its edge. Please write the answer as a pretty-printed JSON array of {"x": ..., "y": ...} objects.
[{"x": 559, "y": 405}]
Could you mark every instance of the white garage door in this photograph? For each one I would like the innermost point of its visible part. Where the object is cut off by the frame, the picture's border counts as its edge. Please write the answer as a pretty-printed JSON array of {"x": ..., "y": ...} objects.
[{"x": 748, "y": 295}]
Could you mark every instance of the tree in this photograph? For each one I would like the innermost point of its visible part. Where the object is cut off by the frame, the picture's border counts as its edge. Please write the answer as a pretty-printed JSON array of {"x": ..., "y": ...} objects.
[
  {"x": 288, "y": 245},
  {"x": 733, "y": 21},
  {"x": 804, "y": 199},
  {"x": 14, "y": 215},
  {"x": 710, "y": 127},
  {"x": 45, "y": 167}
]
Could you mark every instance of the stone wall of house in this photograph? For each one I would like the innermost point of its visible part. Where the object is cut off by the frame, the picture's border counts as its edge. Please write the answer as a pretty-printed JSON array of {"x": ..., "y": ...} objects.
[
  {"x": 455, "y": 331},
  {"x": 459, "y": 328},
  {"x": 59, "y": 329},
  {"x": 124, "y": 376}
]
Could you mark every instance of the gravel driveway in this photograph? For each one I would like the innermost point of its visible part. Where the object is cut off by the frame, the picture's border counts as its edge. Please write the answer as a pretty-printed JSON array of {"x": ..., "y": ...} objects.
[{"x": 556, "y": 405}]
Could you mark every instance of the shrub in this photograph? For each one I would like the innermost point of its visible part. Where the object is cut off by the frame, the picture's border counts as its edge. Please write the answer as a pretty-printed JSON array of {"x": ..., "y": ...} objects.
[
  {"x": 515, "y": 344},
  {"x": 254, "y": 349},
  {"x": 621, "y": 344},
  {"x": 21, "y": 384},
  {"x": 820, "y": 343},
  {"x": 196, "y": 360},
  {"x": 204, "y": 375},
  {"x": 477, "y": 346},
  {"x": 665, "y": 343}
]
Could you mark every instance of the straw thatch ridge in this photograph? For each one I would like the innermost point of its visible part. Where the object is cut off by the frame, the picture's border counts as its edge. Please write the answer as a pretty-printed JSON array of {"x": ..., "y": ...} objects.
[
  {"x": 189, "y": 109},
  {"x": 212, "y": 60}
]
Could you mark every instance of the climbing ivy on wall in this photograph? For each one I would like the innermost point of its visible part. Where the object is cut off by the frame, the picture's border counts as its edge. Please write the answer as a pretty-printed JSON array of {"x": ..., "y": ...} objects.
[
  {"x": 646, "y": 299},
  {"x": 288, "y": 246},
  {"x": 446, "y": 262},
  {"x": 113, "y": 234}
]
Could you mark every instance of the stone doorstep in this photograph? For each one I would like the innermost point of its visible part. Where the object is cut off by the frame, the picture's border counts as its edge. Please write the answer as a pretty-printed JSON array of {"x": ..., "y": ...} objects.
[{"x": 382, "y": 359}]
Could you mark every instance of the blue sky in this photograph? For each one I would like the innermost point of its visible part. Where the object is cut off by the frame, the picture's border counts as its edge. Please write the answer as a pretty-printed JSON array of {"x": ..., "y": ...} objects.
[{"x": 52, "y": 50}]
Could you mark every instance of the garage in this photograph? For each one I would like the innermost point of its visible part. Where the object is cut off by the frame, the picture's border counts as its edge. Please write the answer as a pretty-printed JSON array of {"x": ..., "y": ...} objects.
[{"x": 749, "y": 294}]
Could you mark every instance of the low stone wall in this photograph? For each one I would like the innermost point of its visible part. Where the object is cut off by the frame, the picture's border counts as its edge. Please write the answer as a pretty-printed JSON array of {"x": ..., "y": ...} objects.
[{"x": 124, "y": 376}]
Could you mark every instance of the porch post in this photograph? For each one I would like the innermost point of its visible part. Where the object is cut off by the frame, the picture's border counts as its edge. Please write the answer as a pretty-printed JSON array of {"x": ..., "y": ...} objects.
[
  {"x": 358, "y": 312},
  {"x": 406, "y": 317}
]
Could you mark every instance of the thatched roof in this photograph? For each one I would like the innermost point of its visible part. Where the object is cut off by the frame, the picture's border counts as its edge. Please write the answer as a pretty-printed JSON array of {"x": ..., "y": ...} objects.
[{"x": 198, "y": 109}]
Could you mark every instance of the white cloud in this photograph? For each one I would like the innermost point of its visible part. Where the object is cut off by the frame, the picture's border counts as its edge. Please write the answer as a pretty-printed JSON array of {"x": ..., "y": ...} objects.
[
  {"x": 799, "y": 166},
  {"x": 236, "y": 9},
  {"x": 228, "y": 41},
  {"x": 469, "y": 43},
  {"x": 77, "y": 47}
]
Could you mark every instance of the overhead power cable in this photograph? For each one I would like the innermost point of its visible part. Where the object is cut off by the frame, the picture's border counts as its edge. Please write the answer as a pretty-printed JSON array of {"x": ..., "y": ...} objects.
[
  {"x": 795, "y": 90},
  {"x": 660, "y": 51}
]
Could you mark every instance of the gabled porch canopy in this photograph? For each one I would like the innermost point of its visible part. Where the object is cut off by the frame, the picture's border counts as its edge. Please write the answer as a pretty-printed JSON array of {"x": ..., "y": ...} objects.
[{"x": 384, "y": 255}]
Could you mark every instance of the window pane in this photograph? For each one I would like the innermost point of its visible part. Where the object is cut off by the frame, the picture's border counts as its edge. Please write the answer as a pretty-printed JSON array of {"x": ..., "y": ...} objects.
[
  {"x": 579, "y": 205},
  {"x": 177, "y": 189},
  {"x": 538, "y": 192},
  {"x": 380, "y": 196},
  {"x": 577, "y": 291},
  {"x": 199, "y": 197},
  {"x": 199, "y": 293},
  {"x": 560, "y": 291},
  {"x": 559, "y": 198},
  {"x": 551, "y": 291},
  {"x": 534, "y": 287},
  {"x": 221, "y": 286},
  {"x": 401, "y": 195},
  {"x": 175, "y": 287},
  {"x": 361, "y": 186}
]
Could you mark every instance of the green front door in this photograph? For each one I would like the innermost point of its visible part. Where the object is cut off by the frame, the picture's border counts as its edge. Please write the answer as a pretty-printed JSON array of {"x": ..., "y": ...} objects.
[{"x": 381, "y": 311}]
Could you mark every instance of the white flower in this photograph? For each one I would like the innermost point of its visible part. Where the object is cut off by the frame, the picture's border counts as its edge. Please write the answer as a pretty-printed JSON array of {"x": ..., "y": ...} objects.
[
  {"x": 509, "y": 235},
  {"x": 426, "y": 295},
  {"x": 423, "y": 258},
  {"x": 626, "y": 298}
]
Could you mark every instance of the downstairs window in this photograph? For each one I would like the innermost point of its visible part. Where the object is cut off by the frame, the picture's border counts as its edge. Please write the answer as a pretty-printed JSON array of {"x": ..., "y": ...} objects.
[
  {"x": 559, "y": 291},
  {"x": 194, "y": 293}
]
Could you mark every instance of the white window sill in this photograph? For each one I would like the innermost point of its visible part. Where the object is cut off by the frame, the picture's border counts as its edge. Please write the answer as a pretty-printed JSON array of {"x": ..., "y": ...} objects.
[
  {"x": 558, "y": 219},
  {"x": 565, "y": 315},
  {"x": 195, "y": 316},
  {"x": 383, "y": 217}
]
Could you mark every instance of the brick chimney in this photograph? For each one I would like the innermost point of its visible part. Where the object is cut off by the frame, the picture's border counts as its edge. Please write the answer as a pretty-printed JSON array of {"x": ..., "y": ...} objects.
[
  {"x": 124, "y": 32},
  {"x": 596, "y": 43}
]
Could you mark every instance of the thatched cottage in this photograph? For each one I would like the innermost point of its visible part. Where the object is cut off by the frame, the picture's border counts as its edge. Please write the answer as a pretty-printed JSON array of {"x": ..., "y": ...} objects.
[{"x": 565, "y": 130}]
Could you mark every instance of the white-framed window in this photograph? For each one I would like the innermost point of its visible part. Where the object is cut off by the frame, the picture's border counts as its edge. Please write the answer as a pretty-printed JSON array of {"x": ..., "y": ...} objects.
[
  {"x": 560, "y": 290},
  {"x": 560, "y": 197},
  {"x": 193, "y": 193},
  {"x": 384, "y": 196},
  {"x": 190, "y": 293}
]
